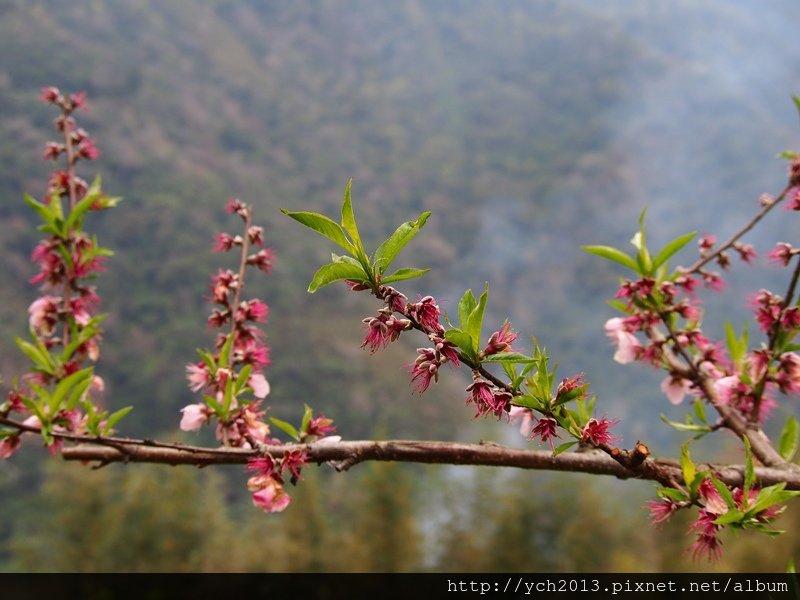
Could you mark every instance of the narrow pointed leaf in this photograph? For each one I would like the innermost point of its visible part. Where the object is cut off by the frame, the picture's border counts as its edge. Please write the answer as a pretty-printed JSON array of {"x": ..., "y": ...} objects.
[
  {"x": 614, "y": 255},
  {"x": 324, "y": 226},
  {"x": 392, "y": 246},
  {"x": 349, "y": 218},
  {"x": 687, "y": 466},
  {"x": 672, "y": 248},
  {"x": 465, "y": 306},
  {"x": 403, "y": 274},
  {"x": 288, "y": 428},
  {"x": 789, "y": 439},
  {"x": 336, "y": 271}
]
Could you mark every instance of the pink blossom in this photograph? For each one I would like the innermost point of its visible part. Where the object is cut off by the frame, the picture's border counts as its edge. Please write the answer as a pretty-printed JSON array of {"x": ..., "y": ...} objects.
[
  {"x": 262, "y": 260},
  {"x": 500, "y": 341},
  {"x": 725, "y": 388},
  {"x": 794, "y": 199},
  {"x": 395, "y": 300},
  {"x": 782, "y": 253},
  {"x": 255, "y": 235},
  {"x": 545, "y": 430},
  {"x": 447, "y": 349},
  {"x": 9, "y": 445},
  {"x": 235, "y": 206},
  {"x": 425, "y": 369},
  {"x": 571, "y": 388},
  {"x": 268, "y": 494},
  {"x": 78, "y": 100},
  {"x": 294, "y": 462},
  {"x": 481, "y": 394},
  {"x": 198, "y": 376},
  {"x": 254, "y": 353},
  {"x": 661, "y": 510},
  {"x": 708, "y": 542},
  {"x": 319, "y": 426},
  {"x": 252, "y": 310},
  {"x": 628, "y": 346},
  {"x": 259, "y": 384},
  {"x": 675, "y": 388},
  {"x": 427, "y": 313},
  {"x": 50, "y": 95},
  {"x": 194, "y": 417},
  {"x": 597, "y": 432},
  {"x": 43, "y": 314},
  {"x": 706, "y": 242},
  {"x": 524, "y": 416},
  {"x": 713, "y": 281},
  {"x": 746, "y": 251},
  {"x": 714, "y": 503},
  {"x": 377, "y": 336},
  {"x": 87, "y": 149},
  {"x": 224, "y": 242}
]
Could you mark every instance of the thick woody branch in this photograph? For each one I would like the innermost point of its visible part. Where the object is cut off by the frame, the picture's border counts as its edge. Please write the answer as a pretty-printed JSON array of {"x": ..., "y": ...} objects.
[{"x": 343, "y": 455}]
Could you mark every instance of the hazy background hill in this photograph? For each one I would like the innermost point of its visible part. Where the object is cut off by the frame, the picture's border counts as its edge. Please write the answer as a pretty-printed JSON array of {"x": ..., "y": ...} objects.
[{"x": 527, "y": 128}]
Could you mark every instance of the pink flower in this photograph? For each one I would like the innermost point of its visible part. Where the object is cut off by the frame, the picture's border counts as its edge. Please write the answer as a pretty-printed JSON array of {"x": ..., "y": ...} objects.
[
  {"x": 714, "y": 281},
  {"x": 294, "y": 462},
  {"x": 782, "y": 253},
  {"x": 545, "y": 430},
  {"x": 524, "y": 416},
  {"x": 43, "y": 314},
  {"x": 794, "y": 200},
  {"x": 571, "y": 388},
  {"x": 194, "y": 417},
  {"x": 50, "y": 94},
  {"x": 224, "y": 242},
  {"x": 447, "y": 349},
  {"x": 725, "y": 388},
  {"x": 236, "y": 206},
  {"x": 481, "y": 394},
  {"x": 268, "y": 494},
  {"x": 78, "y": 100},
  {"x": 252, "y": 310},
  {"x": 377, "y": 336},
  {"x": 319, "y": 426},
  {"x": 500, "y": 341},
  {"x": 661, "y": 510},
  {"x": 9, "y": 445},
  {"x": 259, "y": 384},
  {"x": 707, "y": 542},
  {"x": 255, "y": 235},
  {"x": 675, "y": 388},
  {"x": 427, "y": 313},
  {"x": 706, "y": 242},
  {"x": 425, "y": 369},
  {"x": 262, "y": 260},
  {"x": 628, "y": 346},
  {"x": 198, "y": 376},
  {"x": 87, "y": 149},
  {"x": 714, "y": 503},
  {"x": 597, "y": 432},
  {"x": 746, "y": 251}
]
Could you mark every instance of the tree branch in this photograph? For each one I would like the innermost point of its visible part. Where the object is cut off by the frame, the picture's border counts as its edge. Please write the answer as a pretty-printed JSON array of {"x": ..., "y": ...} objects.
[{"x": 343, "y": 455}]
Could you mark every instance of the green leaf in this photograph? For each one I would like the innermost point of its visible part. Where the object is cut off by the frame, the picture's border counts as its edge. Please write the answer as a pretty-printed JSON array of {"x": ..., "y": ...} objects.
[
  {"x": 672, "y": 494},
  {"x": 287, "y": 428},
  {"x": 42, "y": 360},
  {"x": 78, "y": 380},
  {"x": 324, "y": 226},
  {"x": 687, "y": 466},
  {"x": 462, "y": 340},
  {"x": 336, "y": 271},
  {"x": 724, "y": 492},
  {"x": 700, "y": 411},
  {"x": 614, "y": 255},
  {"x": 686, "y": 426},
  {"x": 115, "y": 417},
  {"x": 465, "y": 306},
  {"x": 475, "y": 320},
  {"x": 403, "y": 274},
  {"x": 796, "y": 102},
  {"x": 789, "y": 439},
  {"x": 225, "y": 352},
  {"x": 348, "y": 217},
  {"x": 509, "y": 357},
  {"x": 672, "y": 248},
  {"x": 563, "y": 447},
  {"x": 308, "y": 414},
  {"x": 82, "y": 207},
  {"x": 639, "y": 242},
  {"x": 48, "y": 213},
  {"x": 392, "y": 246},
  {"x": 243, "y": 377}
]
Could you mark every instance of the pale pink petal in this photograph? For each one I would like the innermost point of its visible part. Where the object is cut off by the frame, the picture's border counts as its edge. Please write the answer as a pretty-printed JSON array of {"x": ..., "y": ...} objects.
[{"x": 259, "y": 384}]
